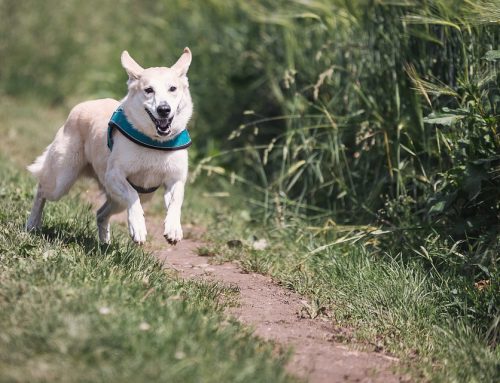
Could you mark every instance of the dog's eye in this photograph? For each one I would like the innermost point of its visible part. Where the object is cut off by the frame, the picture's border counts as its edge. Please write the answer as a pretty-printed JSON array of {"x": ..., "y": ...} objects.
[
  {"x": 149, "y": 90},
  {"x": 172, "y": 89}
]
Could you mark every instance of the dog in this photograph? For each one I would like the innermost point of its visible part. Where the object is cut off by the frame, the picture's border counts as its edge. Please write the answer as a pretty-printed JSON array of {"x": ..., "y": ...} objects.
[{"x": 130, "y": 147}]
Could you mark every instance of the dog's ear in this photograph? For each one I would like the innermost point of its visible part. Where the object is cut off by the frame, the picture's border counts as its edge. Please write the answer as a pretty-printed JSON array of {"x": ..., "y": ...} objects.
[
  {"x": 133, "y": 69},
  {"x": 182, "y": 65}
]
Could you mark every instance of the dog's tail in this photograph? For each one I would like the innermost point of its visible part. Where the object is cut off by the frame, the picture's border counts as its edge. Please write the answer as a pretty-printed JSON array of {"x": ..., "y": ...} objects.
[
  {"x": 61, "y": 163},
  {"x": 36, "y": 168}
]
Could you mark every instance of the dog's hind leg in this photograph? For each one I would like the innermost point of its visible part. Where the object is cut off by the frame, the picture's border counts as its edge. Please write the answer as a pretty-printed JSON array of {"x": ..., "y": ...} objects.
[
  {"x": 35, "y": 219},
  {"x": 62, "y": 170},
  {"x": 104, "y": 213},
  {"x": 56, "y": 169}
]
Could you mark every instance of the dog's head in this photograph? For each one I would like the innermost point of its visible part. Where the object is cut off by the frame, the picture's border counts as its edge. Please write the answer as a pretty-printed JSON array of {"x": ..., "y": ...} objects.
[{"x": 158, "y": 100}]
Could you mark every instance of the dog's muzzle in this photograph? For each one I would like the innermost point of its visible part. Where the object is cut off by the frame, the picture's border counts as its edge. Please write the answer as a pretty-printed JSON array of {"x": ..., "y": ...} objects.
[{"x": 162, "y": 124}]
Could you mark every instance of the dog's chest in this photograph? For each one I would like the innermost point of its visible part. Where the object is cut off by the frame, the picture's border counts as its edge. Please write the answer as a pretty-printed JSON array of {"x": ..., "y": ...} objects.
[{"x": 150, "y": 168}]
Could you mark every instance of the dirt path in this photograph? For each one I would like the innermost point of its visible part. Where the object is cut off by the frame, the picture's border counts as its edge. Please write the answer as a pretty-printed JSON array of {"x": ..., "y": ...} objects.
[{"x": 274, "y": 313}]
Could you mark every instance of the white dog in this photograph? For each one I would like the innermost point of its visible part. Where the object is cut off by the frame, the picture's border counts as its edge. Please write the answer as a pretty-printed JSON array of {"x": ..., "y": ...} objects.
[{"x": 131, "y": 148}]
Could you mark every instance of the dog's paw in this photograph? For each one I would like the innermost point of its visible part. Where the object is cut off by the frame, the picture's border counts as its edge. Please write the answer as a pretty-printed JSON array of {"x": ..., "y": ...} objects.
[
  {"x": 104, "y": 233},
  {"x": 138, "y": 233},
  {"x": 33, "y": 223},
  {"x": 137, "y": 229},
  {"x": 173, "y": 233},
  {"x": 32, "y": 226}
]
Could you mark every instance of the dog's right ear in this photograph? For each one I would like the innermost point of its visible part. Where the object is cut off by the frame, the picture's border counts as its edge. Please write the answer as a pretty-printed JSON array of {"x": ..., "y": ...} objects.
[{"x": 133, "y": 69}]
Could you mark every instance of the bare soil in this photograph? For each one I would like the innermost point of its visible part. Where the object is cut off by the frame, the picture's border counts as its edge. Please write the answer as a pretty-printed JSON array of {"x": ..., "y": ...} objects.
[{"x": 275, "y": 314}]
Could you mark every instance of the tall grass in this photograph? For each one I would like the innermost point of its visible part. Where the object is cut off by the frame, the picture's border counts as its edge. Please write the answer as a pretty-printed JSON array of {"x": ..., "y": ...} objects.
[{"x": 387, "y": 114}]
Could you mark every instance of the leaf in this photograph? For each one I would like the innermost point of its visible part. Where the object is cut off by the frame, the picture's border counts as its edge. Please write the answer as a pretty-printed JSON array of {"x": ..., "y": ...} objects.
[
  {"x": 307, "y": 15},
  {"x": 380, "y": 232},
  {"x": 484, "y": 269},
  {"x": 482, "y": 285},
  {"x": 260, "y": 244},
  {"x": 442, "y": 119},
  {"x": 294, "y": 168},
  {"x": 425, "y": 20},
  {"x": 342, "y": 194},
  {"x": 437, "y": 207},
  {"x": 492, "y": 55}
]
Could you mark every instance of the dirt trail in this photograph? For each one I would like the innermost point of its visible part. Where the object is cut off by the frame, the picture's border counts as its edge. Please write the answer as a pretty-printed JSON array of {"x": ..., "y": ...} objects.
[{"x": 274, "y": 313}]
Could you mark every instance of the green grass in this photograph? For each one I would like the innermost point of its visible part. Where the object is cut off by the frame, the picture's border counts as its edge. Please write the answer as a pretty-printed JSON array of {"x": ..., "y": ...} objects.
[
  {"x": 72, "y": 311},
  {"x": 425, "y": 317},
  {"x": 371, "y": 122}
]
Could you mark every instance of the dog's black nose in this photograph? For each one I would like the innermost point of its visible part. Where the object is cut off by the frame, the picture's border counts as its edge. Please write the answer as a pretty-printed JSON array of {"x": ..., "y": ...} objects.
[{"x": 163, "y": 110}]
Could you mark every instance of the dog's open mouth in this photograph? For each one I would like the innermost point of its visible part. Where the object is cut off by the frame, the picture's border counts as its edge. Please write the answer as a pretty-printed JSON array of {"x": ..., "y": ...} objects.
[{"x": 162, "y": 124}]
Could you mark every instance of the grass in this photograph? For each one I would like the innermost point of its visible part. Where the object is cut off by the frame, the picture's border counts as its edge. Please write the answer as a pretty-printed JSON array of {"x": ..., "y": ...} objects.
[
  {"x": 71, "y": 310},
  {"x": 364, "y": 134},
  {"x": 392, "y": 303}
]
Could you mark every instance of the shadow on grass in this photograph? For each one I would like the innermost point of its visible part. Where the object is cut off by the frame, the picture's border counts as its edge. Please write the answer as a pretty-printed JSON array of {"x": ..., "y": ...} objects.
[{"x": 62, "y": 234}]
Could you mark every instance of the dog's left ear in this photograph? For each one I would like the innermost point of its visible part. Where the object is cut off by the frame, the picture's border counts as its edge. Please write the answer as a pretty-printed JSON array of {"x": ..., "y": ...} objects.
[{"x": 182, "y": 65}]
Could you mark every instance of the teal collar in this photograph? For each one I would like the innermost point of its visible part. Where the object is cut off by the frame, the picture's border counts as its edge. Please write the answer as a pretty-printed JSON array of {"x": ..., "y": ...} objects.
[{"x": 119, "y": 121}]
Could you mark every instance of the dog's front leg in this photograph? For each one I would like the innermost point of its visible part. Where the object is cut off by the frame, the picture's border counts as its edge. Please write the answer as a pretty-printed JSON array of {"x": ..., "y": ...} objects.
[
  {"x": 174, "y": 195},
  {"x": 122, "y": 192}
]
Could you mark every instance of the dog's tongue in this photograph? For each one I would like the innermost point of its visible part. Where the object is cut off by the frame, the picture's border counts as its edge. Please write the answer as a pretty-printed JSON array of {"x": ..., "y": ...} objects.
[{"x": 163, "y": 123}]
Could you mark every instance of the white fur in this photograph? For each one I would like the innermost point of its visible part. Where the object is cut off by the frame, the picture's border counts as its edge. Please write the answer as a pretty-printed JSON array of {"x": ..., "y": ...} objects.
[{"x": 80, "y": 147}]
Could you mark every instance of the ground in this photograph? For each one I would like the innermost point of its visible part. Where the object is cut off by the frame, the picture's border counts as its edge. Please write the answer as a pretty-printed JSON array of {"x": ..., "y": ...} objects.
[{"x": 275, "y": 314}]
